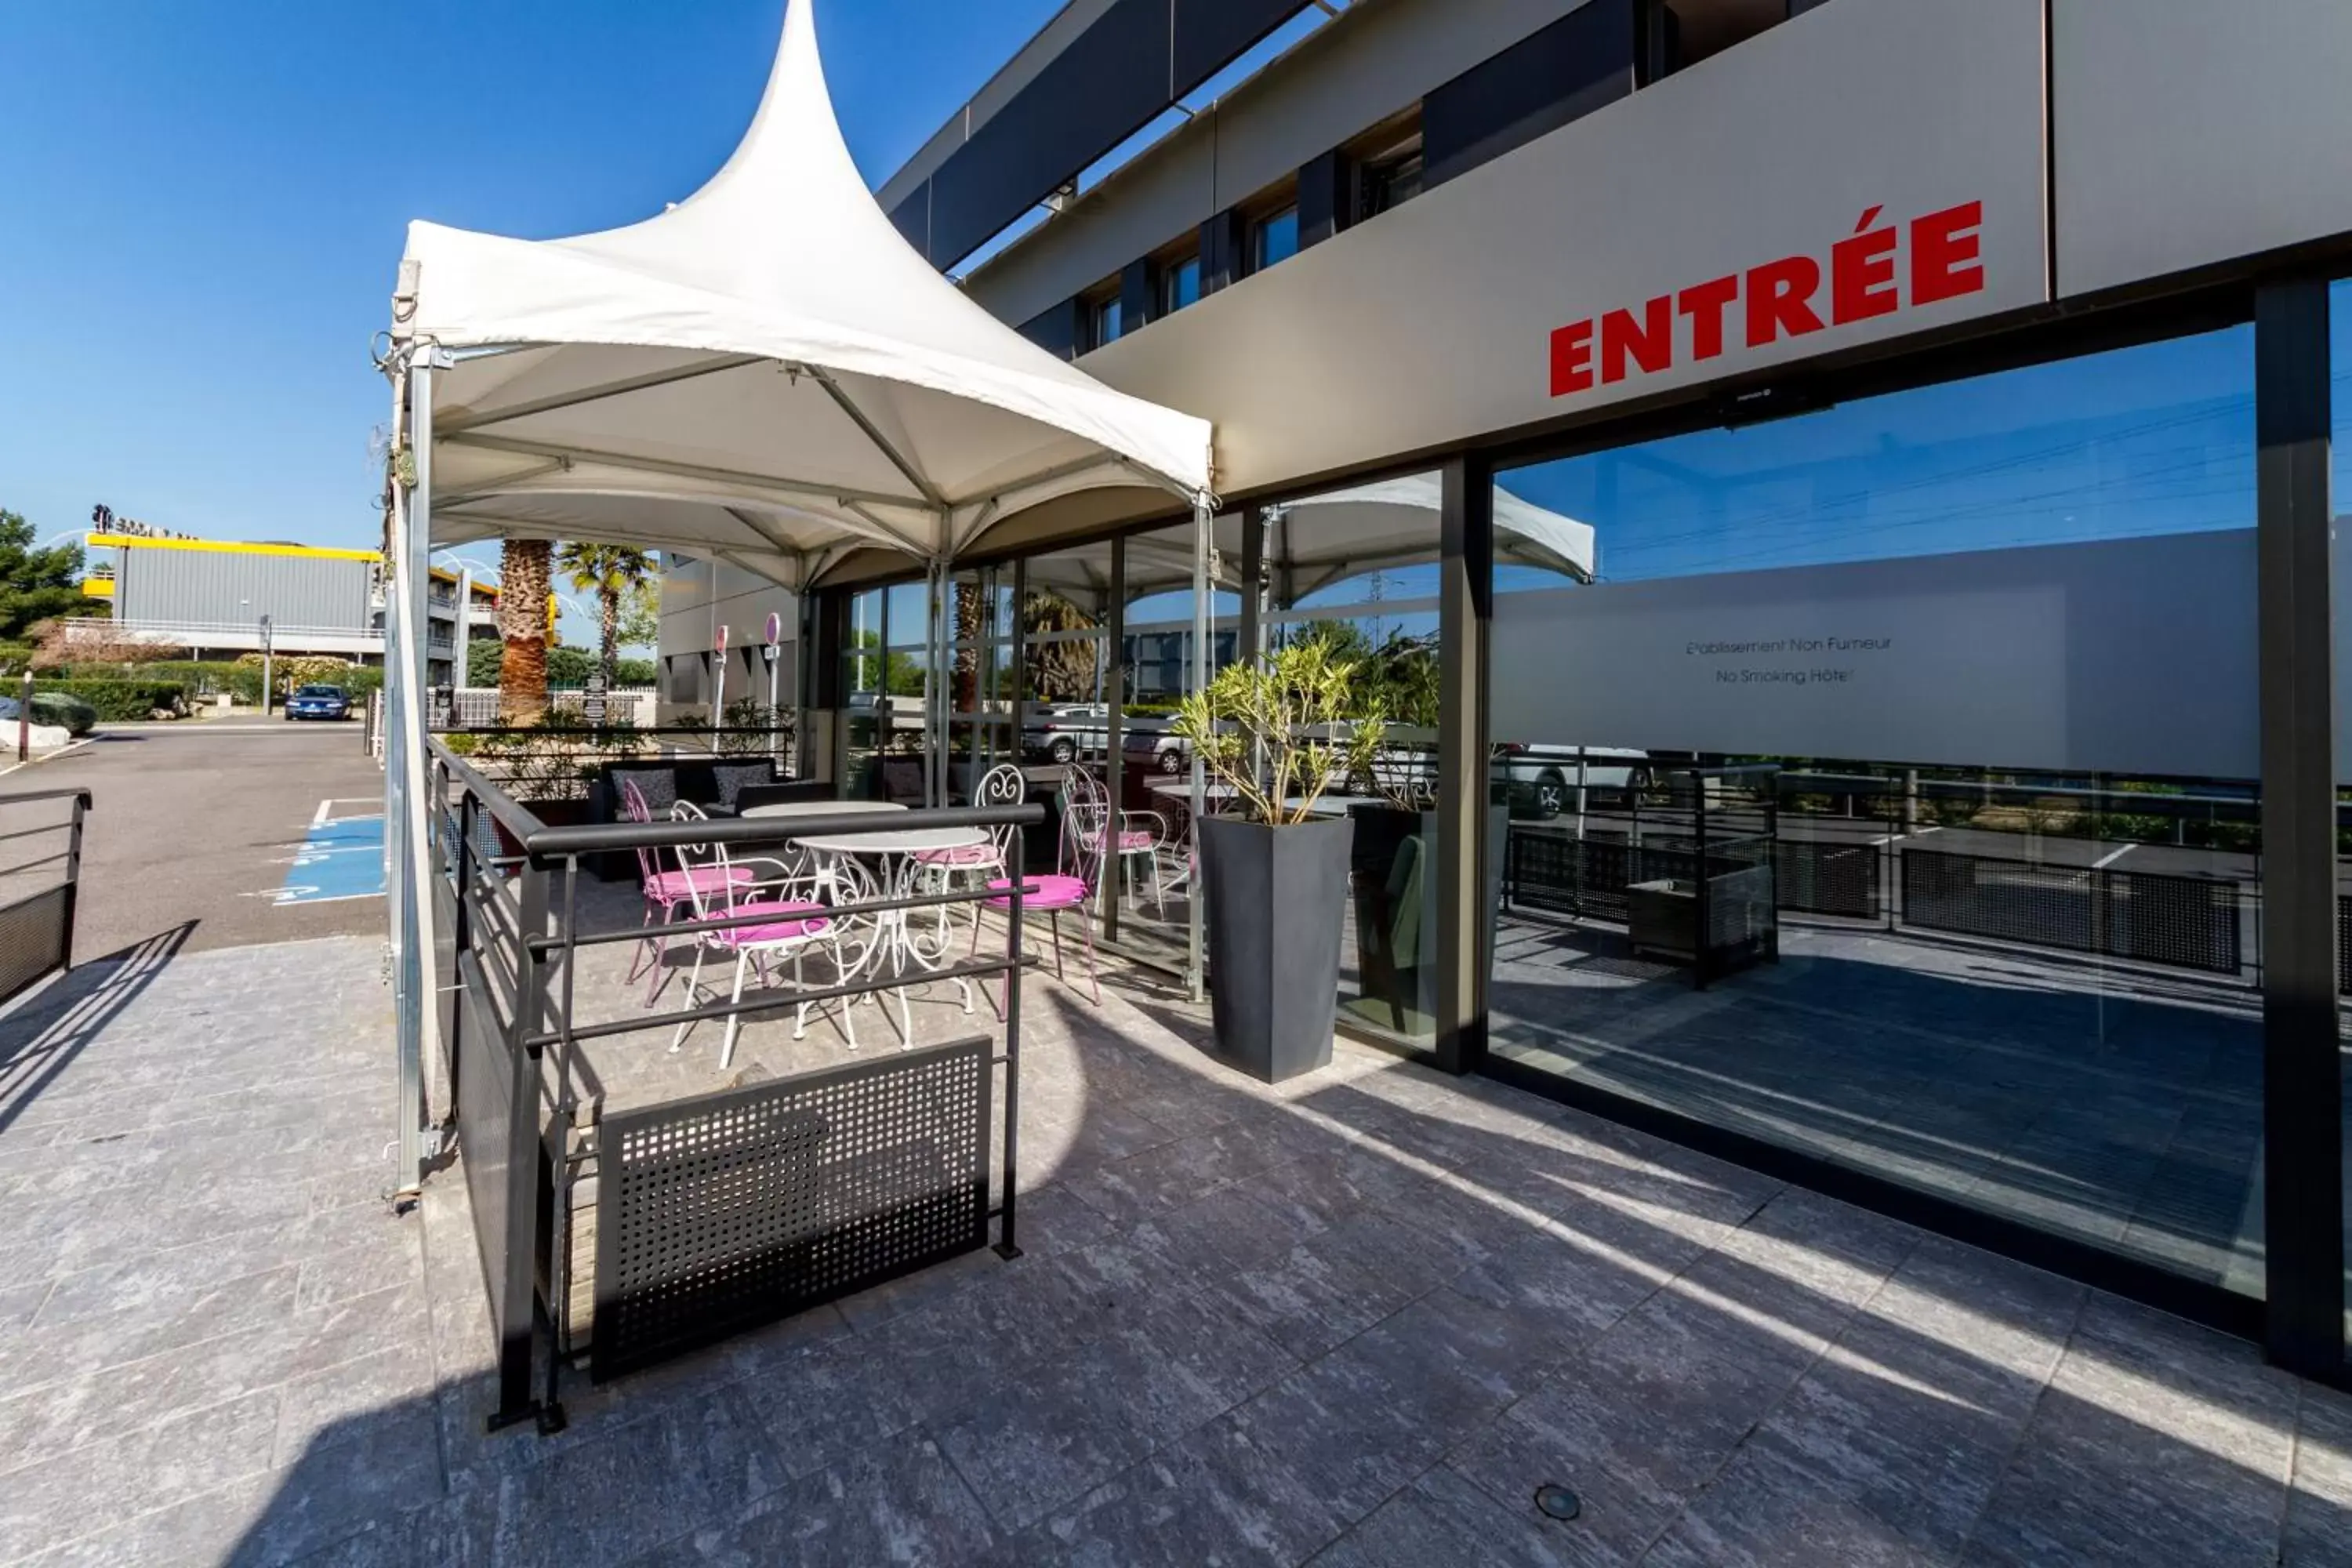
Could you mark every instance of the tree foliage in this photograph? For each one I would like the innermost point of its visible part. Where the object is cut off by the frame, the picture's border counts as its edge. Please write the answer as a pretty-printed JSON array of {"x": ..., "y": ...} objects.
[
  {"x": 1060, "y": 671},
  {"x": 37, "y": 585},
  {"x": 612, "y": 572}
]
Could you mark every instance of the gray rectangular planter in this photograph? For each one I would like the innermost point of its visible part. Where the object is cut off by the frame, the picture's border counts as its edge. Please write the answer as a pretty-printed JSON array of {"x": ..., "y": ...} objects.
[{"x": 1276, "y": 899}]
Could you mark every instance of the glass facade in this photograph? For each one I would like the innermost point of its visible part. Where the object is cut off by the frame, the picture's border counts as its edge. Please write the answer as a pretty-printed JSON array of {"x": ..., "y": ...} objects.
[
  {"x": 1357, "y": 571},
  {"x": 1875, "y": 790},
  {"x": 1881, "y": 784},
  {"x": 2339, "y": 315}
]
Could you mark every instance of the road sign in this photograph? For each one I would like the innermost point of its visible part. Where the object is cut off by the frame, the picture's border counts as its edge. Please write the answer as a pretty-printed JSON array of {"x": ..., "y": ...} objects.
[{"x": 592, "y": 705}]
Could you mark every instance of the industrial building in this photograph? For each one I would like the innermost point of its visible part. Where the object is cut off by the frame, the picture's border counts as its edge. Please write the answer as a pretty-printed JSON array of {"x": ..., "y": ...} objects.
[{"x": 213, "y": 597}]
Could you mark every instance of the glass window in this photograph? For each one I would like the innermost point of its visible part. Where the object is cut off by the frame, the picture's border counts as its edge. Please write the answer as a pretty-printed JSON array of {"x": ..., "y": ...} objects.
[
  {"x": 2339, "y": 317},
  {"x": 1151, "y": 777},
  {"x": 1356, "y": 570},
  {"x": 1179, "y": 284},
  {"x": 1881, "y": 783},
  {"x": 1392, "y": 181},
  {"x": 1274, "y": 238},
  {"x": 1105, "y": 321}
]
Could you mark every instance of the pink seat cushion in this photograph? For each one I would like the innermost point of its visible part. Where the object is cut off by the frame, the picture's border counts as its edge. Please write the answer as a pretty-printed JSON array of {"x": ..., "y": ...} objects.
[
  {"x": 1052, "y": 893},
  {"x": 964, "y": 854},
  {"x": 781, "y": 931},
  {"x": 1133, "y": 841},
  {"x": 678, "y": 885}
]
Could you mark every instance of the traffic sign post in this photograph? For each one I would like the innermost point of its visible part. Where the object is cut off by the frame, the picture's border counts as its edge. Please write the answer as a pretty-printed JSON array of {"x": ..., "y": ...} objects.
[
  {"x": 719, "y": 696},
  {"x": 768, "y": 652}
]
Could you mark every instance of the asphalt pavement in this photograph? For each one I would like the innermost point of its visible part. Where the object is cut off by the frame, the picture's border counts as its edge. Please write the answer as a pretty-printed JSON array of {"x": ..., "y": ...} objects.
[{"x": 236, "y": 832}]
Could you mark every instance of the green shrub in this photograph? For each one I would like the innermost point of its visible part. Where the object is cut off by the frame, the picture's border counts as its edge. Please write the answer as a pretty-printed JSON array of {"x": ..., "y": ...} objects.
[
  {"x": 117, "y": 701},
  {"x": 67, "y": 713}
]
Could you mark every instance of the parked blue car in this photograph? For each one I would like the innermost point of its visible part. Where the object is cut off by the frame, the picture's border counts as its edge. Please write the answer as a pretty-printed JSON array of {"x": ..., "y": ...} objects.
[{"x": 318, "y": 702}]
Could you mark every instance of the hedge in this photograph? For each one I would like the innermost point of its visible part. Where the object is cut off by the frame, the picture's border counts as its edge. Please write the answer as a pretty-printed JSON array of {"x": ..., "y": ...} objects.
[{"x": 119, "y": 701}]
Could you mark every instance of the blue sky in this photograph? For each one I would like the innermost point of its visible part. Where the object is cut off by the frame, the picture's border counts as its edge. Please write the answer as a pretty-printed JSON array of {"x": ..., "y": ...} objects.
[{"x": 206, "y": 202}]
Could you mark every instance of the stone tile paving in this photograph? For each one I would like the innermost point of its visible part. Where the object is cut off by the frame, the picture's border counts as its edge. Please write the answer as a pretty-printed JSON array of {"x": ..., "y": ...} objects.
[{"x": 1357, "y": 1322}]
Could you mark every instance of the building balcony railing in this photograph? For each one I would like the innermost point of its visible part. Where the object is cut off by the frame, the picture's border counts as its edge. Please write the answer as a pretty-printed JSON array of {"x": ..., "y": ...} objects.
[{"x": 243, "y": 635}]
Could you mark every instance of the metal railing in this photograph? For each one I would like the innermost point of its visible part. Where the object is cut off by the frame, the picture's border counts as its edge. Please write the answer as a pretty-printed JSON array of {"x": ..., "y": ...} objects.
[
  {"x": 713, "y": 1214},
  {"x": 1861, "y": 854},
  {"x": 39, "y": 892}
]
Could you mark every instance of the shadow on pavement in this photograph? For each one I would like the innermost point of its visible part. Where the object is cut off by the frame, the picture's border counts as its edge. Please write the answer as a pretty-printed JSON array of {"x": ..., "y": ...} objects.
[{"x": 44, "y": 1035}]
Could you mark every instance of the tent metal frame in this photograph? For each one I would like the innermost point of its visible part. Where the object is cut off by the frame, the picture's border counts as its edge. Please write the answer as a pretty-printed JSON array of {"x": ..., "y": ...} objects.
[{"x": 409, "y": 518}]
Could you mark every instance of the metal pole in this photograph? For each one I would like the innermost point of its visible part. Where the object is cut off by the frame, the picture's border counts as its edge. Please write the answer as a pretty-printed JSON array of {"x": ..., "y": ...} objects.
[
  {"x": 458, "y": 663},
  {"x": 416, "y": 1018},
  {"x": 269, "y": 667},
  {"x": 395, "y": 776},
  {"x": 1204, "y": 522},
  {"x": 25, "y": 718}
]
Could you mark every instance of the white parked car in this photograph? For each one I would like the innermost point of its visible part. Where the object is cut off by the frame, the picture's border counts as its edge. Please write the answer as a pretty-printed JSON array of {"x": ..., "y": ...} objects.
[{"x": 1544, "y": 779}]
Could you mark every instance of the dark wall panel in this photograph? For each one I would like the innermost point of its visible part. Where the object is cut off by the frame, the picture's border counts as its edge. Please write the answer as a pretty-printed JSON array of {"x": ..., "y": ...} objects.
[
  {"x": 1209, "y": 33},
  {"x": 1327, "y": 197},
  {"x": 1138, "y": 295},
  {"x": 1136, "y": 60},
  {"x": 1571, "y": 67},
  {"x": 1094, "y": 95},
  {"x": 1056, "y": 331}
]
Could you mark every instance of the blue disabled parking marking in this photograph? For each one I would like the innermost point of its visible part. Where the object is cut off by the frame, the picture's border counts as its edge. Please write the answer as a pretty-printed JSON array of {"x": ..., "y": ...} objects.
[{"x": 341, "y": 857}]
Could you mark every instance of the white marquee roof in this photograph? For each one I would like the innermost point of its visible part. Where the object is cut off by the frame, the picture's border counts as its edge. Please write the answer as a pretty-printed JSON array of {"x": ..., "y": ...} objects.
[{"x": 766, "y": 372}]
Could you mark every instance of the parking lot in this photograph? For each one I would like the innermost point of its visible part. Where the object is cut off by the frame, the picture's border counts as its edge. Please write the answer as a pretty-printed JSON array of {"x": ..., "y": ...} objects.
[{"x": 237, "y": 832}]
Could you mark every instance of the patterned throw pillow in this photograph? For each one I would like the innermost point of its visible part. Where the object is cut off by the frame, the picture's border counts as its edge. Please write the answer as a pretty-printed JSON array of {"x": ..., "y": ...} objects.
[
  {"x": 732, "y": 778},
  {"x": 658, "y": 786}
]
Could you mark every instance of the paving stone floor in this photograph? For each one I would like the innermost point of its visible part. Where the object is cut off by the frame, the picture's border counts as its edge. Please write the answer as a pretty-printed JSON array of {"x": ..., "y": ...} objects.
[{"x": 1357, "y": 1322}]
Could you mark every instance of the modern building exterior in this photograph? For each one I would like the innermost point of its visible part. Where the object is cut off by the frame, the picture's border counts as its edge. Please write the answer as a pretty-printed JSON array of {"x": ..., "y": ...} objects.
[
  {"x": 1928, "y": 787},
  {"x": 211, "y": 596},
  {"x": 700, "y": 596}
]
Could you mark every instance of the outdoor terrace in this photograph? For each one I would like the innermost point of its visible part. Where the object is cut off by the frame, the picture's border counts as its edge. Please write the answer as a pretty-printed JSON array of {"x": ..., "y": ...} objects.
[{"x": 1357, "y": 1320}]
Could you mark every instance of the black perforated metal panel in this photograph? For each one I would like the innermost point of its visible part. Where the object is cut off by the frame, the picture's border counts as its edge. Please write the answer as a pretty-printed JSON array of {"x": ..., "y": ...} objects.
[
  {"x": 721, "y": 1213},
  {"x": 483, "y": 1071},
  {"x": 1829, "y": 878},
  {"x": 2186, "y": 923},
  {"x": 33, "y": 934}
]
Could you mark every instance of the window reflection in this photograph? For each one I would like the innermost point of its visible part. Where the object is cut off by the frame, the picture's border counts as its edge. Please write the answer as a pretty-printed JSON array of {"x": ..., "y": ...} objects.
[{"x": 1881, "y": 783}]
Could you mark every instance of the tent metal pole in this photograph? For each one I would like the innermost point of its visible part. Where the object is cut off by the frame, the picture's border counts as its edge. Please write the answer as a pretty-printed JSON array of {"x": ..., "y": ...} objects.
[
  {"x": 416, "y": 1015},
  {"x": 1204, "y": 521},
  {"x": 408, "y": 1061},
  {"x": 937, "y": 686}
]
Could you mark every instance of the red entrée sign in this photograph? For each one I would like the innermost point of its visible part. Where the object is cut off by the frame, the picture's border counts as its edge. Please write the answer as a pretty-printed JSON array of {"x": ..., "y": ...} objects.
[{"x": 1877, "y": 270}]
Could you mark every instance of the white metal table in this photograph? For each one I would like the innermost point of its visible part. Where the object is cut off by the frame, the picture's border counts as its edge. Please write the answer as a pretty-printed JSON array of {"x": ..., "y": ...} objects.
[
  {"x": 823, "y": 809},
  {"x": 895, "y": 942}
]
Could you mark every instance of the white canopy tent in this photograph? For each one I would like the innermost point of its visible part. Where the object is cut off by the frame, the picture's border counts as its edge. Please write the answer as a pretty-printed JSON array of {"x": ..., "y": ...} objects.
[{"x": 765, "y": 373}]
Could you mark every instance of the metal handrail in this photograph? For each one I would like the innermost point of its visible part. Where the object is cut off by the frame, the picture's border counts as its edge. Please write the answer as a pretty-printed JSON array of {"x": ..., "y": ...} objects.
[{"x": 79, "y": 792}]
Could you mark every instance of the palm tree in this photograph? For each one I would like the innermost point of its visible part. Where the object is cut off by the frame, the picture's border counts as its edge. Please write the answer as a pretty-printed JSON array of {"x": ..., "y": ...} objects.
[
  {"x": 523, "y": 586},
  {"x": 611, "y": 572}
]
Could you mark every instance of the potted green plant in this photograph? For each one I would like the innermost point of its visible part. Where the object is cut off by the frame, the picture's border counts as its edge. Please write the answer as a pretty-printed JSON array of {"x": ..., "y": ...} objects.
[{"x": 1274, "y": 871}]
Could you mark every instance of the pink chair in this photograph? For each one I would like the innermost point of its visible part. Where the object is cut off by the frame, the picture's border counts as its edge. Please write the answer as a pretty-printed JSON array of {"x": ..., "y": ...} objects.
[
  {"x": 941, "y": 869},
  {"x": 791, "y": 925},
  {"x": 1142, "y": 835},
  {"x": 669, "y": 892},
  {"x": 1068, "y": 889}
]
